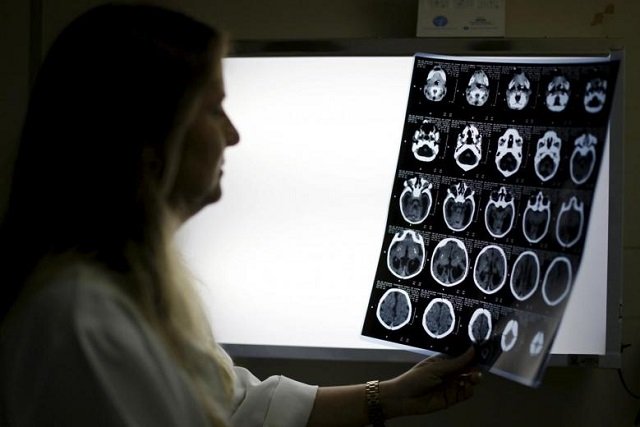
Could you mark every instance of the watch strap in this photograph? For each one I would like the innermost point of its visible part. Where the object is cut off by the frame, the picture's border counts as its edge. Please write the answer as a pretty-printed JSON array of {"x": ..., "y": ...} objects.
[{"x": 374, "y": 407}]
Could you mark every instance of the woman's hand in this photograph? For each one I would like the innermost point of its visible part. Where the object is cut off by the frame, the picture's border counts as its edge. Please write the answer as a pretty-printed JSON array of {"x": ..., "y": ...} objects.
[{"x": 433, "y": 384}]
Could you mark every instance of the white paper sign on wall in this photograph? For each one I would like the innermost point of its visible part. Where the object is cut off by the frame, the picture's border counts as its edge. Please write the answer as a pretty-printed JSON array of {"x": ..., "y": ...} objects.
[{"x": 461, "y": 18}]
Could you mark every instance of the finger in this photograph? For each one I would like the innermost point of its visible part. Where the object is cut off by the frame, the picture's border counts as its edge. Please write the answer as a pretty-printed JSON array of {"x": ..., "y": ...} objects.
[
  {"x": 440, "y": 398},
  {"x": 458, "y": 391},
  {"x": 468, "y": 391},
  {"x": 445, "y": 395},
  {"x": 466, "y": 382},
  {"x": 453, "y": 393},
  {"x": 473, "y": 376},
  {"x": 445, "y": 367}
]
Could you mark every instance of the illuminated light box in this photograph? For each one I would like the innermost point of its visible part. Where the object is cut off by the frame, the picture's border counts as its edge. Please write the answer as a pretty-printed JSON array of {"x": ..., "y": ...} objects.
[{"x": 287, "y": 257}]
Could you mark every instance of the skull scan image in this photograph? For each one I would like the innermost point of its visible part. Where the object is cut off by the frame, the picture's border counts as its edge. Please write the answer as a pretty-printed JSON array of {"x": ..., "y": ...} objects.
[
  {"x": 449, "y": 262},
  {"x": 415, "y": 200},
  {"x": 525, "y": 275},
  {"x": 583, "y": 158},
  {"x": 458, "y": 207},
  {"x": 439, "y": 318},
  {"x": 394, "y": 309},
  {"x": 547, "y": 158},
  {"x": 518, "y": 91},
  {"x": 468, "y": 150},
  {"x": 509, "y": 335},
  {"x": 477, "y": 92},
  {"x": 480, "y": 326},
  {"x": 557, "y": 281},
  {"x": 537, "y": 344},
  {"x": 436, "y": 86},
  {"x": 426, "y": 142},
  {"x": 490, "y": 269},
  {"x": 569, "y": 223},
  {"x": 536, "y": 218},
  {"x": 509, "y": 153},
  {"x": 595, "y": 95},
  {"x": 500, "y": 213},
  {"x": 558, "y": 91},
  {"x": 405, "y": 257}
]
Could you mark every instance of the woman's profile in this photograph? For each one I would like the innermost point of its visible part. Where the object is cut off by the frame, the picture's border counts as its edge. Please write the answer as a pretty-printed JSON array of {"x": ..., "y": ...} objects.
[{"x": 124, "y": 141}]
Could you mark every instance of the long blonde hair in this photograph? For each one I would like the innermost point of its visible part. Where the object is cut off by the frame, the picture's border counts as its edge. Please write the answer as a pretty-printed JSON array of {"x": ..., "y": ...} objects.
[{"x": 98, "y": 153}]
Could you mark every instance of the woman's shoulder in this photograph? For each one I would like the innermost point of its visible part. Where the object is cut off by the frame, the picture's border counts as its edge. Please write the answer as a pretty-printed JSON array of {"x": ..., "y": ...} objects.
[
  {"x": 69, "y": 308},
  {"x": 82, "y": 312},
  {"x": 79, "y": 342},
  {"x": 76, "y": 293}
]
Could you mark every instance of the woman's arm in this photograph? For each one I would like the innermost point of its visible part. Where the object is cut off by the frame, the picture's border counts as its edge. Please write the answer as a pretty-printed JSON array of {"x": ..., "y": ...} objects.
[{"x": 433, "y": 384}]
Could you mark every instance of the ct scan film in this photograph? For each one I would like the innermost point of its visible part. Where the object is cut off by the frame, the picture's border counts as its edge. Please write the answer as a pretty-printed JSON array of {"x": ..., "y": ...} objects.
[{"x": 490, "y": 204}]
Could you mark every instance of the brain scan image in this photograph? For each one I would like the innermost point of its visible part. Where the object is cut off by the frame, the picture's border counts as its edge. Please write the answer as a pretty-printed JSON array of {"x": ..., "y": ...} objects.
[
  {"x": 518, "y": 91},
  {"x": 439, "y": 318},
  {"x": 583, "y": 158},
  {"x": 547, "y": 158},
  {"x": 509, "y": 153},
  {"x": 509, "y": 335},
  {"x": 558, "y": 91},
  {"x": 394, "y": 309},
  {"x": 477, "y": 92},
  {"x": 525, "y": 275},
  {"x": 415, "y": 200},
  {"x": 449, "y": 262},
  {"x": 406, "y": 256},
  {"x": 436, "y": 86},
  {"x": 595, "y": 95},
  {"x": 490, "y": 269},
  {"x": 537, "y": 344},
  {"x": 569, "y": 222},
  {"x": 426, "y": 142},
  {"x": 468, "y": 150},
  {"x": 536, "y": 218},
  {"x": 480, "y": 326},
  {"x": 557, "y": 281},
  {"x": 458, "y": 207},
  {"x": 500, "y": 213}
]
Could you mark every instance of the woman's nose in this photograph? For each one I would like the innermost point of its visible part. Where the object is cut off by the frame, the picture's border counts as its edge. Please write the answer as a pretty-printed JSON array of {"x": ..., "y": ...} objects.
[{"x": 233, "y": 137}]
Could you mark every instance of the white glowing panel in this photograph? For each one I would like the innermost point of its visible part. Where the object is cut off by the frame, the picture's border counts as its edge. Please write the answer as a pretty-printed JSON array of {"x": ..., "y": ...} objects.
[{"x": 287, "y": 257}]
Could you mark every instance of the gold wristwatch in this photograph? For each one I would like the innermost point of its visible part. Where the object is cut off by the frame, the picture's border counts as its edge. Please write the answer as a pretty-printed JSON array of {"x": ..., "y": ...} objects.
[{"x": 374, "y": 407}]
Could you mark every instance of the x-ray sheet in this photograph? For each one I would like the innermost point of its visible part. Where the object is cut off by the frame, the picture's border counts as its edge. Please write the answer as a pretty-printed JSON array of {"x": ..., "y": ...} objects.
[{"x": 490, "y": 205}]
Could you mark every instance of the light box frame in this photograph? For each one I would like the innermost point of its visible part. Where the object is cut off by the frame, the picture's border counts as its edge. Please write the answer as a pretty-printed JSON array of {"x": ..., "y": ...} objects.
[{"x": 472, "y": 47}]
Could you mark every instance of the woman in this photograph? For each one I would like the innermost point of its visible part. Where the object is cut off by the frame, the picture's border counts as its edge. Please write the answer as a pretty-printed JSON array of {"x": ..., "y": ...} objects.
[{"x": 123, "y": 141}]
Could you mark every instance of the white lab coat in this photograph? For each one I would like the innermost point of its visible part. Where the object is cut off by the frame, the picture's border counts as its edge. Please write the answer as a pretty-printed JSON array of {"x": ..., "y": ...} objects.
[{"x": 80, "y": 354}]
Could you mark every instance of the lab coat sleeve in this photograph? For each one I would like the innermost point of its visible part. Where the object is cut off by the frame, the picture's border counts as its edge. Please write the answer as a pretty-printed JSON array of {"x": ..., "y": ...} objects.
[{"x": 276, "y": 401}]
